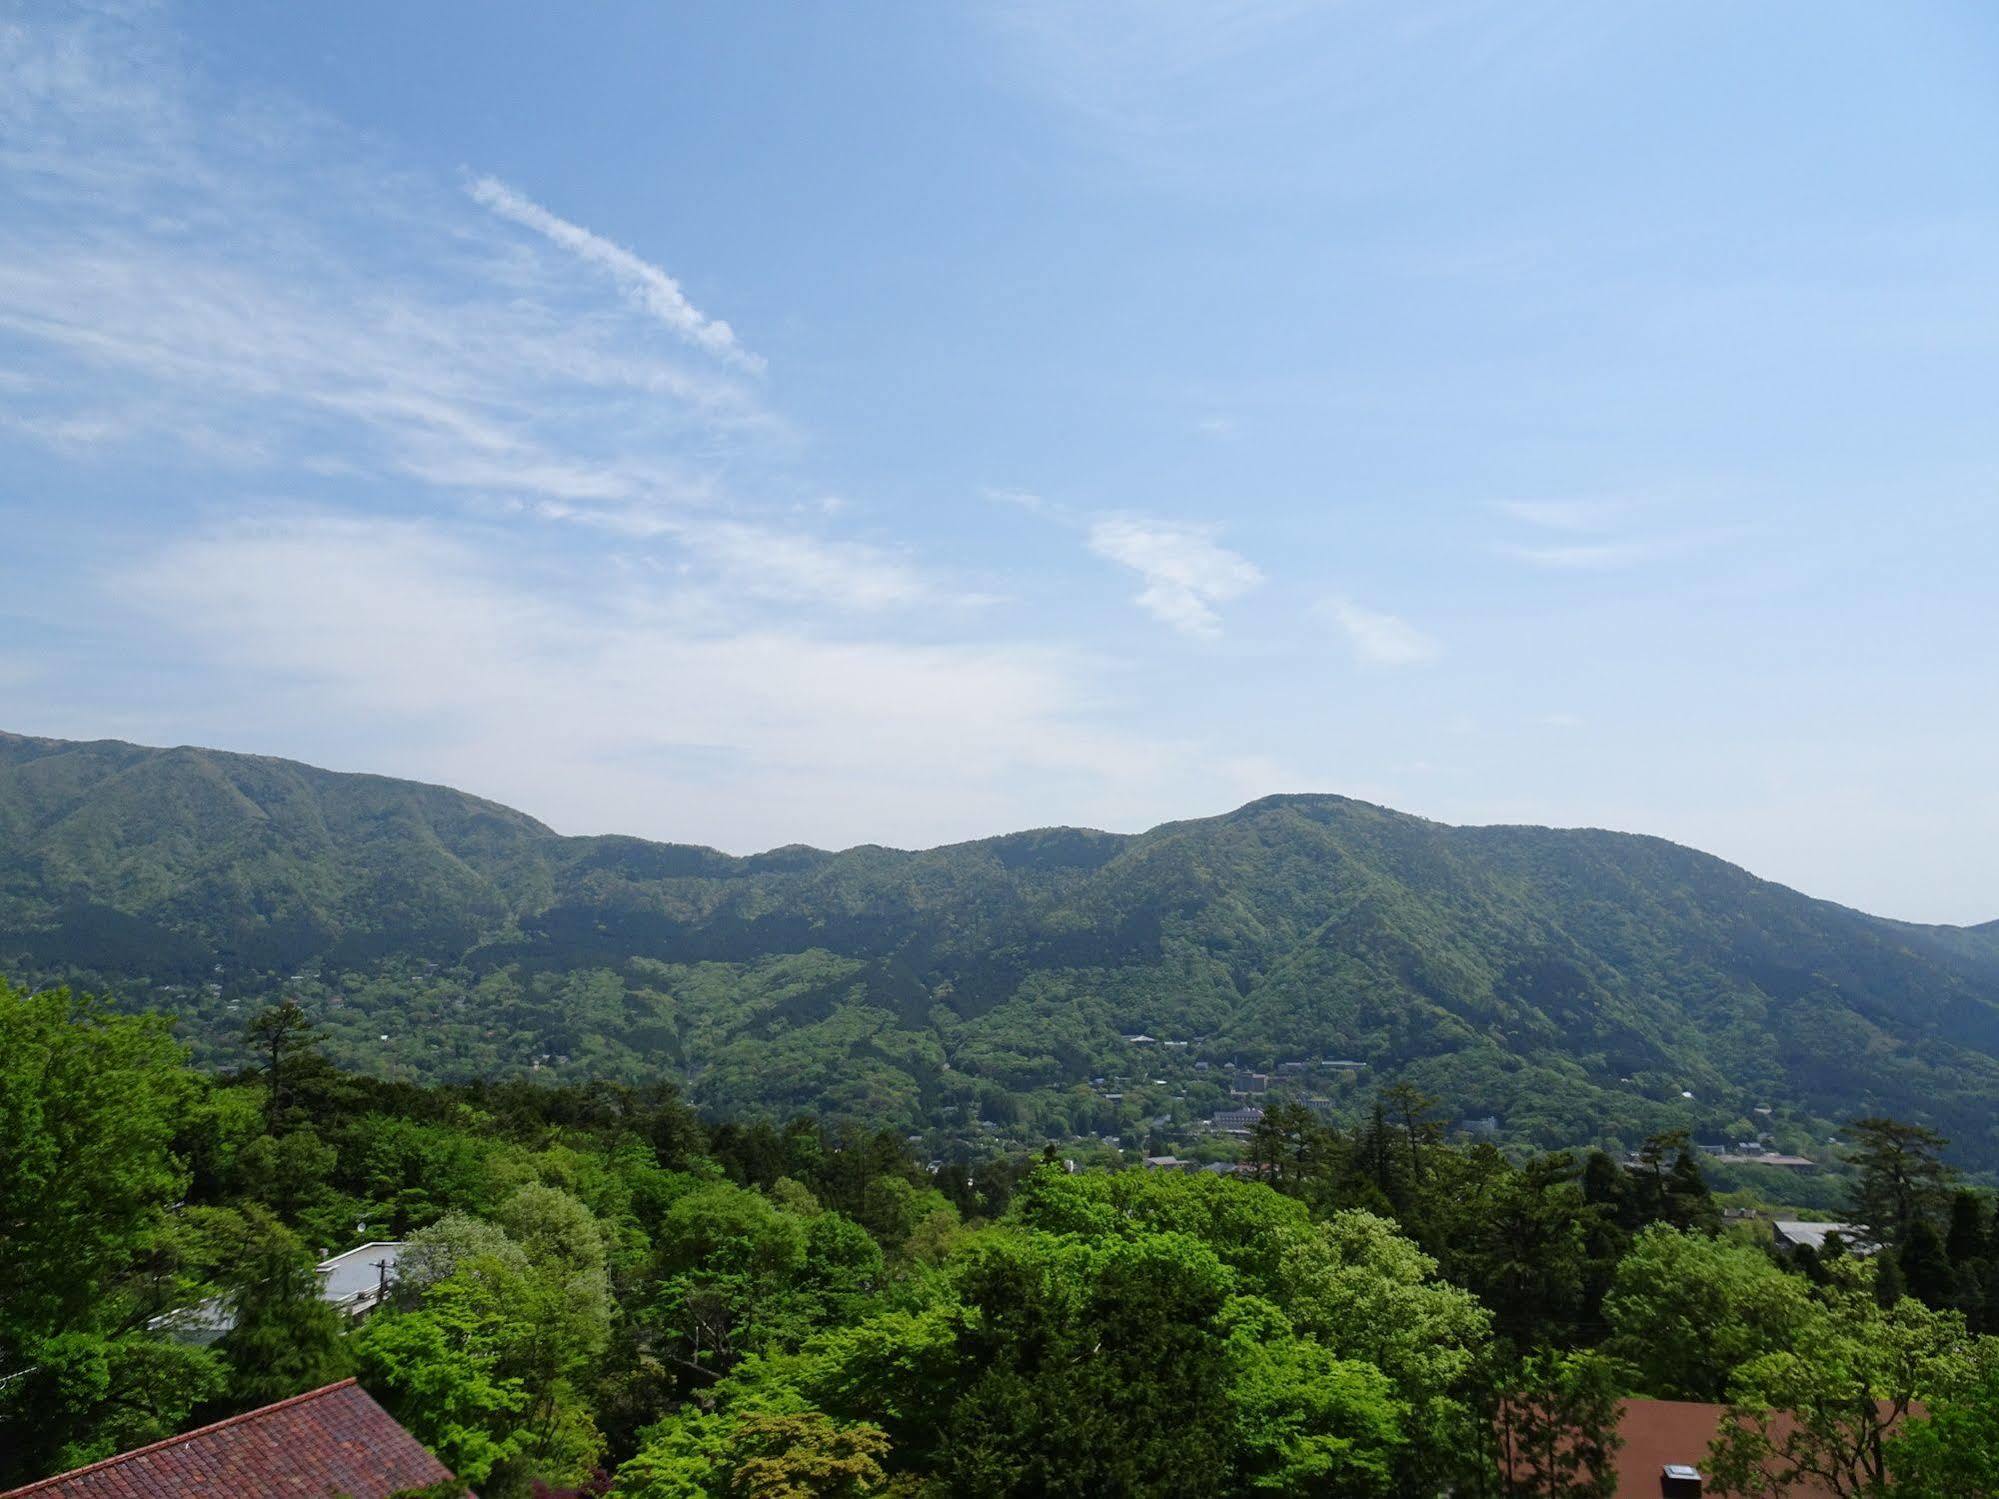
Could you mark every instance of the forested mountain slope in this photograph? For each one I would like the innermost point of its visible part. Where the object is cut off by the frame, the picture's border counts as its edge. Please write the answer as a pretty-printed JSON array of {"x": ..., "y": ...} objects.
[{"x": 1577, "y": 984}]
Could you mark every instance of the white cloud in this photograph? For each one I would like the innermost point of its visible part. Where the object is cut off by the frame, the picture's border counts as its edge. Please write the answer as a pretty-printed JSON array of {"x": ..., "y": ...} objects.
[
  {"x": 648, "y": 285},
  {"x": 806, "y": 569},
  {"x": 1591, "y": 536},
  {"x": 614, "y": 709},
  {"x": 1381, "y": 639},
  {"x": 1186, "y": 574},
  {"x": 1023, "y": 499},
  {"x": 1598, "y": 556},
  {"x": 1566, "y": 515}
]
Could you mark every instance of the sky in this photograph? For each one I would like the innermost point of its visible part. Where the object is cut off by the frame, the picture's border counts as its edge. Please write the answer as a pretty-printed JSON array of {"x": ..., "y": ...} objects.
[{"x": 901, "y": 423}]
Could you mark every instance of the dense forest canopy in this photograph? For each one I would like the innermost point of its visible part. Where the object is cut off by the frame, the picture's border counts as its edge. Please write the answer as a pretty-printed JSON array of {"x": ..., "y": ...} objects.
[
  {"x": 1576, "y": 987},
  {"x": 601, "y": 1294}
]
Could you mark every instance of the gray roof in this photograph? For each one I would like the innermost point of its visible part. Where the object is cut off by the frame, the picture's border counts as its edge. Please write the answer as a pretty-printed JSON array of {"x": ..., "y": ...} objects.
[
  {"x": 1792, "y": 1231},
  {"x": 351, "y": 1281},
  {"x": 356, "y": 1275}
]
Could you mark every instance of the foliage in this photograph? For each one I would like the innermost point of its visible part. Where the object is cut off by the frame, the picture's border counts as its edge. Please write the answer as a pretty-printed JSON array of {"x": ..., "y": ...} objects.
[
  {"x": 1686, "y": 1311},
  {"x": 599, "y": 1290},
  {"x": 1953, "y": 1451},
  {"x": 1557, "y": 1426},
  {"x": 286, "y": 1339},
  {"x": 1577, "y": 985},
  {"x": 1823, "y": 1412},
  {"x": 1901, "y": 1178}
]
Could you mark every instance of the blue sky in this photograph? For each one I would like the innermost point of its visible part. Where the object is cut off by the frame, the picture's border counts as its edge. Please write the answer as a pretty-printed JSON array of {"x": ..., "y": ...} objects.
[{"x": 900, "y": 423}]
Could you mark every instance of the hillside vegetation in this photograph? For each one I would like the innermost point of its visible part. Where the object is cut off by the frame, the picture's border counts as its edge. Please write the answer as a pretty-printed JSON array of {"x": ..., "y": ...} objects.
[{"x": 1578, "y": 985}]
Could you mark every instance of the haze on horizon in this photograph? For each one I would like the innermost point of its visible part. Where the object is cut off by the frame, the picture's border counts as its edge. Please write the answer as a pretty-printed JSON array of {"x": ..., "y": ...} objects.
[{"x": 747, "y": 428}]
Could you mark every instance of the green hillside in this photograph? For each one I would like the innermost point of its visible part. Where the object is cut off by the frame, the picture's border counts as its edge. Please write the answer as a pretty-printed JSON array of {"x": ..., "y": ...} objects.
[{"x": 1574, "y": 984}]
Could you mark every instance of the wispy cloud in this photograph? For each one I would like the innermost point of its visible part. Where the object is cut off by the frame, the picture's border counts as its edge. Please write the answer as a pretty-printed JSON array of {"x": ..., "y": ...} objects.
[
  {"x": 1567, "y": 515},
  {"x": 1601, "y": 556},
  {"x": 1380, "y": 639},
  {"x": 1024, "y": 499},
  {"x": 648, "y": 285},
  {"x": 1186, "y": 572},
  {"x": 1592, "y": 536}
]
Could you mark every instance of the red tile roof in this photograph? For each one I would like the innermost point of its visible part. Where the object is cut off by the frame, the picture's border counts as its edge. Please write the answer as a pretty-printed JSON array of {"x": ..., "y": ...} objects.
[
  {"x": 1658, "y": 1432},
  {"x": 331, "y": 1441}
]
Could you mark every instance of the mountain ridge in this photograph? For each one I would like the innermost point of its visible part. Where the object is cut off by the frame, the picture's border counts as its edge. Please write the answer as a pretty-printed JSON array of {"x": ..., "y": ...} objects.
[{"x": 1577, "y": 983}]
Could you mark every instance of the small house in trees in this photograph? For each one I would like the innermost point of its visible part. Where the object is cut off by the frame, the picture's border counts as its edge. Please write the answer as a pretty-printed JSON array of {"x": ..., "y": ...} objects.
[{"x": 1791, "y": 1235}]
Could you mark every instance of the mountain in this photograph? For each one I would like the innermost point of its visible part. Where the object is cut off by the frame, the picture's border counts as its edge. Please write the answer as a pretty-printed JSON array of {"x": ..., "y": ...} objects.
[{"x": 1577, "y": 984}]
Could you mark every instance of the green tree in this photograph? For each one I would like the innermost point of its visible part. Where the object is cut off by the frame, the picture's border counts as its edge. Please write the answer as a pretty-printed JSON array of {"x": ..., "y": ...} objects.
[
  {"x": 90, "y": 1104},
  {"x": 88, "y": 1395},
  {"x": 1304, "y": 1421},
  {"x": 728, "y": 1266},
  {"x": 804, "y": 1456},
  {"x": 1823, "y": 1412},
  {"x": 285, "y": 1338},
  {"x": 1970, "y": 1234},
  {"x": 1526, "y": 1250},
  {"x": 491, "y": 1358},
  {"x": 1685, "y": 1311},
  {"x": 1953, "y": 1451},
  {"x": 1557, "y": 1426},
  {"x": 1927, "y": 1272},
  {"x": 1900, "y": 1177},
  {"x": 437, "y": 1371},
  {"x": 284, "y": 1038}
]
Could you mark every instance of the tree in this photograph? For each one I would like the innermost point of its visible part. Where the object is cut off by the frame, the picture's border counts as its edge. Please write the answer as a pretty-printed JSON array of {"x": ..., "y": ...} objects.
[
  {"x": 282, "y": 1035},
  {"x": 497, "y": 1327},
  {"x": 285, "y": 1339},
  {"x": 1686, "y": 1310},
  {"x": 1953, "y": 1452},
  {"x": 1969, "y": 1238},
  {"x": 87, "y": 1395},
  {"x": 1557, "y": 1426},
  {"x": 437, "y": 1371},
  {"x": 1900, "y": 1178},
  {"x": 90, "y": 1103},
  {"x": 1303, "y": 1421},
  {"x": 1526, "y": 1250},
  {"x": 805, "y": 1456},
  {"x": 1291, "y": 1148},
  {"x": 1925, "y": 1264},
  {"x": 1823, "y": 1413},
  {"x": 1415, "y": 1116}
]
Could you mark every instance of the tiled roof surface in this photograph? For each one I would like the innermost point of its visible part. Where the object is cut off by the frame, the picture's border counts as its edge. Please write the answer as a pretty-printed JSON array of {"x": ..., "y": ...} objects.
[
  {"x": 1658, "y": 1432},
  {"x": 327, "y": 1442}
]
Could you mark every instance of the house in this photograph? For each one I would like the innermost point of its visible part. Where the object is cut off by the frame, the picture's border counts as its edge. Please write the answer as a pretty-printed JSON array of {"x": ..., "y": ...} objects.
[
  {"x": 1665, "y": 1451},
  {"x": 1237, "y": 1121},
  {"x": 1789, "y": 1235},
  {"x": 1167, "y": 1163},
  {"x": 353, "y": 1281},
  {"x": 328, "y": 1441}
]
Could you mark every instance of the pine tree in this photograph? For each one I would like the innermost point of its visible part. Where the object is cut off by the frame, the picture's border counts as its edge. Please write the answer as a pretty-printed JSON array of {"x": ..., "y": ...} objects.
[
  {"x": 1969, "y": 1238},
  {"x": 1926, "y": 1268},
  {"x": 283, "y": 1035},
  {"x": 1901, "y": 1176},
  {"x": 1888, "y": 1283}
]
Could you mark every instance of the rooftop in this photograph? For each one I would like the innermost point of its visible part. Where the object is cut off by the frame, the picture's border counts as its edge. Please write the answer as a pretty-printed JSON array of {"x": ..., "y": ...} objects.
[{"x": 330, "y": 1441}]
